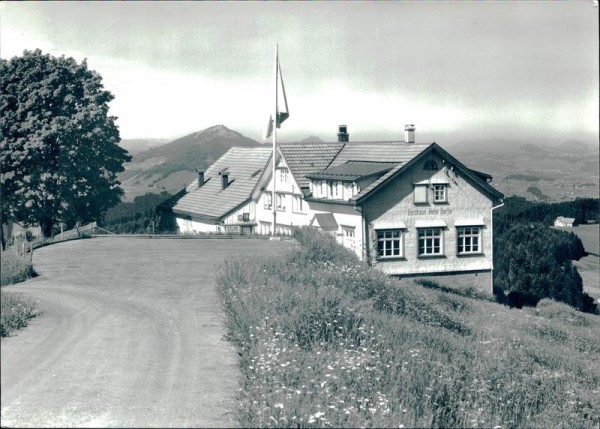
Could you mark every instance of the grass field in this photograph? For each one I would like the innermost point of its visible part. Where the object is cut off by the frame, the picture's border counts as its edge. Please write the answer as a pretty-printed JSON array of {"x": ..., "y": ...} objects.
[
  {"x": 327, "y": 342},
  {"x": 589, "y": 266}
]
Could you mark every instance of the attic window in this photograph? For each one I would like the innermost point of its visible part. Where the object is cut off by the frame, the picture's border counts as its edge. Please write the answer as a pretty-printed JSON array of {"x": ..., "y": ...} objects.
[{"x": 430, "y": 165}]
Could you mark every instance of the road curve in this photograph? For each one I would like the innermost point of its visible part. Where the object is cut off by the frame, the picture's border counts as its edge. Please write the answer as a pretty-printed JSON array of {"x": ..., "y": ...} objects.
[{"x": 130, "y": 336}]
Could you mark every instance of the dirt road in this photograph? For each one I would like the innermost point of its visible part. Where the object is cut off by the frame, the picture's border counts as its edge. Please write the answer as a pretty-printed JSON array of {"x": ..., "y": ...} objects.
[{"x": 130, "y": 335}]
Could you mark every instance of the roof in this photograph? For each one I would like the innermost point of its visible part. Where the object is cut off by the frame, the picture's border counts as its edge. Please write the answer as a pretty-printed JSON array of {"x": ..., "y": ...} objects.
[
  {"x": 210, "y": 200},
  {"x": 326, "y": 221},
  {"x": 565, "y": 219},
  {"x": 352, "y": 170},
  {"x": 471, "y": 176},
  {"x": 305, "y": 158},
  {"x": 396, "y": 152}
]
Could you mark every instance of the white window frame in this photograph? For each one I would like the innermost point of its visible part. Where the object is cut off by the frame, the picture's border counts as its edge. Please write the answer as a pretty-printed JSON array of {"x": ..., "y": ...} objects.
[
  {"x": 385, "y": 243},
  {"x": 428, "y": 239},
  {"x": 468, "y": 237},
  {"x": 440, "y": 193},
  {"x": 297, "y": 204},
  {"x": 284, "y": 174},
  {"x": 420, "y": 194},
  {"x": 268, "y": 200},
  {"x": 280, "y": 201}
]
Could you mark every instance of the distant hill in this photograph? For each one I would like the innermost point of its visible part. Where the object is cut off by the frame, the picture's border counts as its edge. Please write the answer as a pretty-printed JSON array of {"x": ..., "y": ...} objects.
[
  {"x": 563, "y": 170},
  {"x": 172, "y": 166},
  {"x": 134, "y": 146}
]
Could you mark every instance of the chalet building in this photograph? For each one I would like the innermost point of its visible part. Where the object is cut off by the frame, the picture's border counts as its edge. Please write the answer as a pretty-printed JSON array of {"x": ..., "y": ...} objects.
[
  {"x": 565, "y": 222},
  {"x": 220, "y": 199},
  {"x": 410, "y": 209}
]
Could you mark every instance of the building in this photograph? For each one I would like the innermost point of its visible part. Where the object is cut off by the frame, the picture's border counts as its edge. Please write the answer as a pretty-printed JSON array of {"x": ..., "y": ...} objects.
[
  {"x": 564, "y": 221},
  {"x": 410, "y": 209},
  {"x": 220, "y": 199}
]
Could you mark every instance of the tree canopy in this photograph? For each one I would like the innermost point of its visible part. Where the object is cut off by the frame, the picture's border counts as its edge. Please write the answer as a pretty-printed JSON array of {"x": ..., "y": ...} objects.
[{"x": 59, "y": 153}]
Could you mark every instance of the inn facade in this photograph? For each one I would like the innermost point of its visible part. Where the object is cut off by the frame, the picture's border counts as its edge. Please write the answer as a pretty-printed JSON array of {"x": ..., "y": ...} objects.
[{"x": 409, "y": 208}]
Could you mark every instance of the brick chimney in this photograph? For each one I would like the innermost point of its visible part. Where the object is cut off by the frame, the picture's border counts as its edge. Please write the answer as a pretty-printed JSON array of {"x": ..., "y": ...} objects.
[
  {"x": 409, "y": 133},
  {"x": 200, "y": 177},
  {"x": 343, "y": 135},
  {"x": 224, "y": 178}
]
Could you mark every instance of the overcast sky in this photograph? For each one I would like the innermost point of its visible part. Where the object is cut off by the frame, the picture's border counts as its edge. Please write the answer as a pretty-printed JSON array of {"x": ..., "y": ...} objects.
[{"x": 457, "y": 70}]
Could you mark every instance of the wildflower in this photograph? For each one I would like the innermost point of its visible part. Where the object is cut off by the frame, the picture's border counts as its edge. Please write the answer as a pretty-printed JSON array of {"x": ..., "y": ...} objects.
[{"x": 279, "y": 405}]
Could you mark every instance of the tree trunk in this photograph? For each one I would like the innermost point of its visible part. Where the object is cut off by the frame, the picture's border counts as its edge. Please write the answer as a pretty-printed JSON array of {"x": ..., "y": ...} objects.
[{"x": 46, "y": 226}]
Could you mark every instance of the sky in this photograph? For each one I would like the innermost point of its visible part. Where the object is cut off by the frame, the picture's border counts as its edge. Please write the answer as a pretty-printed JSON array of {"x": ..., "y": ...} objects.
[{"x": 457, "y": 70}]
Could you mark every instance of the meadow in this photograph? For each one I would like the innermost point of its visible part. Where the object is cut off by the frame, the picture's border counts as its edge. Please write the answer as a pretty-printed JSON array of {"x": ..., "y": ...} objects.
[
  {"x": 325, "y": 341},
  {"x": 15, "y": 310}
]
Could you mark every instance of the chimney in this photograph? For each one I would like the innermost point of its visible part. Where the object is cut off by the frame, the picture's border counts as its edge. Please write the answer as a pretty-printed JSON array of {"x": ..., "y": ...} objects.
[
  {"x": 224, "y": 178},
  {"x": 343, "y": 135},
  {"x": 200, "y": 177},
  {"x": 409, "y": 133}
]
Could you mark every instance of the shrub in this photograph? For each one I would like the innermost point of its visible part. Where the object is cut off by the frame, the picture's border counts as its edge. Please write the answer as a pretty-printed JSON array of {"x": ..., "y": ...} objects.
[{"x": 14, "y": 269}]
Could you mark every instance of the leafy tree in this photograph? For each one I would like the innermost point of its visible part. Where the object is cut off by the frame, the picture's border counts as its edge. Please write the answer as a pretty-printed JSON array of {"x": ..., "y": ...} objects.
[{"x": 59, "y": 152}]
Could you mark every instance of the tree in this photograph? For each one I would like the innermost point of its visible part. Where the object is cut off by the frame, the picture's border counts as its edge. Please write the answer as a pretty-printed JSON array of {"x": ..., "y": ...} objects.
[{"x": 59, "y": 152}]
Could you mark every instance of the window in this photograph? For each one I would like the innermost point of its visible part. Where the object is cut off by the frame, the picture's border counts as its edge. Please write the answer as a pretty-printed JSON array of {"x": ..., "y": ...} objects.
[
  {"x": 430, "y": 242},
  {"x": 297, "y": 204},
  {"x": 268, "y": 200},
  {"x": 420, "y": 194},
  {"x": 336, "y": 189},
  {"x": 468, "y": 239},
  {"x": 284, "y": 174},
  {"x": 439, "y": 194},
  {"x": 323, "y": 190},
  {"x": 389, "y": 243},
  {"x": 280, "y": 200},
  {"x": 348, "y": 234},
  {"x": 430, "y": 165}
]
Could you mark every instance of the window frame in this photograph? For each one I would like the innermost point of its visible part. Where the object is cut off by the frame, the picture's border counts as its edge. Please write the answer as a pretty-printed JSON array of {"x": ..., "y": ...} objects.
[
  {"x": 429, "y": 242},
  {"x": 437, "y": 186},
  {"x": 385, "y": 238},
  {"x": 268, "y": 200},
  {"x": 297, "y": 204},
  {"x": 284, "y": 174},
  {"x": 280, "y": 202},
  {"x": 461, "y": 235}
]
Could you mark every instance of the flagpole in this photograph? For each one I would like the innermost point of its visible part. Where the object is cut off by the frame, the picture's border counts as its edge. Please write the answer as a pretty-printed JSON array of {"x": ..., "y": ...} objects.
[{"x": 274, "y": 197}]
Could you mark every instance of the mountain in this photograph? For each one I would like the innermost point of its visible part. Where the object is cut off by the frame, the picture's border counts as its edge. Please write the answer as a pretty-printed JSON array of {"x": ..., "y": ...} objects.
[
  {"x": 561, "y": 171},
  {"x": 134, "y": 146},
  {"x": 172, "y": 166},
  {"x": 311, "y": 139}
]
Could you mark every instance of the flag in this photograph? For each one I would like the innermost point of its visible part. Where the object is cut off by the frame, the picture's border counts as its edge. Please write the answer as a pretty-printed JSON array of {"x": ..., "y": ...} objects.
[{"x": 281, "y": 106}]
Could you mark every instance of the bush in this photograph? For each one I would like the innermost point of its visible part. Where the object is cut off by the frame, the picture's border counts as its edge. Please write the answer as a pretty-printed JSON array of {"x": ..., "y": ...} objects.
[
  {"x": 14, "y": 269},
  {"x": 15, "y": 312}
]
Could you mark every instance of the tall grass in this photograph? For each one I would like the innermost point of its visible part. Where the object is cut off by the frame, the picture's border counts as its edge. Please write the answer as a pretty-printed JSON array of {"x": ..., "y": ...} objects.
[
  {"x": 13, "y": 268},
  {"x": 15, "y": 311},
  {"x": 325, "y": 341}
]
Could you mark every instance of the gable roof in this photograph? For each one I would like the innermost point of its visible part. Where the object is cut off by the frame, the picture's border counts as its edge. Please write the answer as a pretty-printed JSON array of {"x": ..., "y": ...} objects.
[
  {"x": 352, "y": 170},
  {"x": 243, "y": 166},
  {"x": 473, "y": 178}
]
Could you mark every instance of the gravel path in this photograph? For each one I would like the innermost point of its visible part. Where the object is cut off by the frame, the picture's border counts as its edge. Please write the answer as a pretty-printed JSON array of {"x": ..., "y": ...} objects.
[{"x": 130, "y": 336}]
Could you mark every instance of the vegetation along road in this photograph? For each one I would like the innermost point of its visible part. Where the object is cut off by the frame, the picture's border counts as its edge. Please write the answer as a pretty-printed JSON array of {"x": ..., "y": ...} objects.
[{"x": 130, "y": 335}]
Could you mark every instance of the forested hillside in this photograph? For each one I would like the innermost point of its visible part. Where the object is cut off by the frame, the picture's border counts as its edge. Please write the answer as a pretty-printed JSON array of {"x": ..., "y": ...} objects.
[{"x": 140, "y": 216}]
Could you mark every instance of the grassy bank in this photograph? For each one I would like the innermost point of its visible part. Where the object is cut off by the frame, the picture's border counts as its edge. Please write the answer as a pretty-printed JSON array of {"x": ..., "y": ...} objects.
[
  {"x": 15, "y": 310},
  {"x": 326, "y": 341}
]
